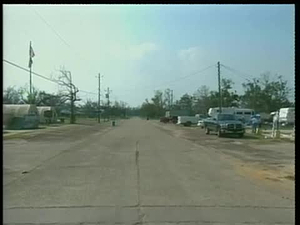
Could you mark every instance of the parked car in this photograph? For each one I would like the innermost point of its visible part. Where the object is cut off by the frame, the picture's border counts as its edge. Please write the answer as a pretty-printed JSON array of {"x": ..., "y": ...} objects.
[
  {"x": 164, "y": 119},
  {"x": 224, "y": 124},
  {"x": 200, "y": 123}
]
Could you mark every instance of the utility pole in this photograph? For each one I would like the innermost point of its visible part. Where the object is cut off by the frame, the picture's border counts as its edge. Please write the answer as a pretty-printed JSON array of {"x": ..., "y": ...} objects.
[
  {"x": 30, "y": 82},
  {"x": 72, "y": 99},
  {"x": 171, "y": 99},
  {"x": 220, "y": 92},
  {"x": 99, "y": 98},
  {"x": 107, "y": 96}
]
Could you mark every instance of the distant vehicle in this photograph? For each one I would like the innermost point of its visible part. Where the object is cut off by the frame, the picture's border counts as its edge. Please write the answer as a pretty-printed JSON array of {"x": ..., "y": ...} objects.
[
  {"x": 224, "y": 124},
  {"x": 164, "y": 119},
  {"x": 47, "y": 114},
  {"x": 244, "y": 115},
  {"x": 201, "y": 121},
  {"x": 174, "y": 112},
  {"x": 241, "y": 113},
  {"x": 287, "y": 116},
  {"x": 172, "y": 115},
  {"x": 212, "y": 112},
  {"x": 187, "y": 120}
]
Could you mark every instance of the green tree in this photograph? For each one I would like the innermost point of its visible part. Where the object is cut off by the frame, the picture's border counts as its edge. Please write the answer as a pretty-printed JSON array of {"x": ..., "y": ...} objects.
[
  {"x": 11, "y": 95},
  {"x": 167, "y": 98},
  {"x": 89, "y": 108},
  {"x": 229, "y": 98},
  {"x": 186, "y": 103},
  {"x": 266, "y": 94},
  {"x": 202, "y": 100},
  {"x": 35, "y": 97},
  {"x": 155, "y": 108}
]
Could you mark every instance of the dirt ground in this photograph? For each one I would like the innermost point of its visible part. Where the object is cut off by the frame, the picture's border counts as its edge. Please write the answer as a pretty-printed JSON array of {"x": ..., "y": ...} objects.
[
  {"x": 52, "y": 131},
  {"x": 269, "y": 160}
]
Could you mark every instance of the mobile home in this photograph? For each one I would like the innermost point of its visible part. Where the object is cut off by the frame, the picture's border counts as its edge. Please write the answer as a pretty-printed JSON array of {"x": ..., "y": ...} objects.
[
  {"x": 20, "y": 116},
  {"x": 240, "y": 113}
]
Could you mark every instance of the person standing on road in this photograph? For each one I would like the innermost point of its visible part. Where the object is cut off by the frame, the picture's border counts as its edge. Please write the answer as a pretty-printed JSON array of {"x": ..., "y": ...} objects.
[
  {"x": 254, "y": 122},
  {"x": 275, "y": 124}
]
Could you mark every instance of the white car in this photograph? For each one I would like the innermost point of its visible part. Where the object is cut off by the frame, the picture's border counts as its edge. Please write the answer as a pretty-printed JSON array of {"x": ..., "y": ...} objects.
[{"x": 200, "y": 124}]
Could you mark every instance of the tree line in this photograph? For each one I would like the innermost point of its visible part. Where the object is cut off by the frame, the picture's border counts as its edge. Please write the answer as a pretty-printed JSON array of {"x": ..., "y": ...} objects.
[
  {"x": 264, "y": 94},
  {"x": 61, "y": 101}
]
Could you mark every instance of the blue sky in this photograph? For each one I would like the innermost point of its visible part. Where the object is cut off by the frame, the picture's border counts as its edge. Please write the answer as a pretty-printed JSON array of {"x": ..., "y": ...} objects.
[{"x": 140, "y": 47}]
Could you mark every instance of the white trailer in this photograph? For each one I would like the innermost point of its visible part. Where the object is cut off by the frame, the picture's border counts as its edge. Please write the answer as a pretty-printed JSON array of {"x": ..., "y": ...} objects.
[
  {"x": 187, "y": 120},
  {"x": 212, "y": 112},
  {"x": 240, "y": 113},
  {"x": 287, "y": 115}
]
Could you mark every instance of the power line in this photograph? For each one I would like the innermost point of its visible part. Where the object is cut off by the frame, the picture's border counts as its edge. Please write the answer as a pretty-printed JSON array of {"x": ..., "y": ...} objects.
[
  {"x": 20, "y": 67},
  {"x": 184, "y": 77},
  {"x": 244, "y": 75},
  {"x": 180, "y": 78},
  {"x": 55, "y": 32},
  {"x": 41, "y": 76},
  {"x": 88, "y": 92}
]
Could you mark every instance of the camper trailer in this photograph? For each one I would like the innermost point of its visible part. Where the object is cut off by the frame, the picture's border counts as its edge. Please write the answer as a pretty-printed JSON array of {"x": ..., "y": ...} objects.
[
  {"x": 20, "y": 116},
  {"x": 47, "y": 114},
  {"x": 240, "y": 113}
]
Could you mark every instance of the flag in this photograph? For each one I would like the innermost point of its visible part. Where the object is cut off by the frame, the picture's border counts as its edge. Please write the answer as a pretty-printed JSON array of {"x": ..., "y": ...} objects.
[{"x": 31, "y": 55}]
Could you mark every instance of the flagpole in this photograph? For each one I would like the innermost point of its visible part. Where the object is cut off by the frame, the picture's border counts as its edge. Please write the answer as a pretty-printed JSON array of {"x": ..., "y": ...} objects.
[{"x": 30, "y": 63}]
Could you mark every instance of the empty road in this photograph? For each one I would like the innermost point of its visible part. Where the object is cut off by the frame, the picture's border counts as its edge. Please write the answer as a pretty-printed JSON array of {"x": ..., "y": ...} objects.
[{"x": 134, "y": 173}]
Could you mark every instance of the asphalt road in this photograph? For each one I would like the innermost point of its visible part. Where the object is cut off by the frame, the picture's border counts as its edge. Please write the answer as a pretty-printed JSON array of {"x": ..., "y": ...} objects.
[{"x": 134, "y": 173}]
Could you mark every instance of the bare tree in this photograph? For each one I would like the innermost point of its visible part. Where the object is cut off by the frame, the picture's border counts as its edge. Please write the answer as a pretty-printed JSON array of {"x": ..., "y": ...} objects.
[{"x": 69, "y": 91}]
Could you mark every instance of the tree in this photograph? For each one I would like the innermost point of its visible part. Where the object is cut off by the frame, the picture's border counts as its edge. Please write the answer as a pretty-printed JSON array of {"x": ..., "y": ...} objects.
[
  {"x": 34, "y": 97},
  {"x": 11, "y": 95},
  {"x": 167, "y": 98},
  {"x": 186, "y": 103},
  {"x": 90, "y": 108},
  {"x": 229, "y": 98},
  {"x": 202, "y": 101},
  {"x": 156, "y": 108},
  {"x": 54, "y": 100},
  {"x": 158, "y": 99},
  {"x": 149, "y": 109},
  {"x": 266, "y": 95},
  {"x": 118, "y": 109},
  {"x": 70, "y": 91}
]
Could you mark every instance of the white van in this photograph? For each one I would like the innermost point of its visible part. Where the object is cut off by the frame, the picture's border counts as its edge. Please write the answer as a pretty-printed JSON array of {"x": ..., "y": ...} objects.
[{"x": 240, "y": 113}]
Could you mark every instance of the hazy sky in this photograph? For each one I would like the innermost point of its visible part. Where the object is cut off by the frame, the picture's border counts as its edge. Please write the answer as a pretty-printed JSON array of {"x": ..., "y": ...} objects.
[{"x": 142, "y": 48}]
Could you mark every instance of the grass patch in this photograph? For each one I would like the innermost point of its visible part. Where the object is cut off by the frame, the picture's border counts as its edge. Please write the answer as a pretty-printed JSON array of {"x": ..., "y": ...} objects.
[{"x": 17, "y": 136}]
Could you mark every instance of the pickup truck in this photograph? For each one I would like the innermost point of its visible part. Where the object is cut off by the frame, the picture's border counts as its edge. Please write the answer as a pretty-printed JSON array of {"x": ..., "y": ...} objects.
[{"x": 224, "y": 124}]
